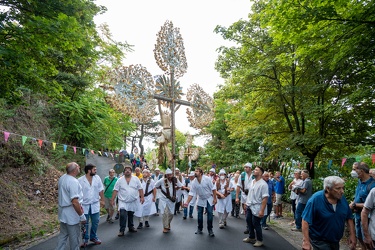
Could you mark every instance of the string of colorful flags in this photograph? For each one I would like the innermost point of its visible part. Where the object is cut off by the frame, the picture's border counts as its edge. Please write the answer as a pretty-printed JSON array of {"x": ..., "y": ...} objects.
[{"x": 54, "y": 144}]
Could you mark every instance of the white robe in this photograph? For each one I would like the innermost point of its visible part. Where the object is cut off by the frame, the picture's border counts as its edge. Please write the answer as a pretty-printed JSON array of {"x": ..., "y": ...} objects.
[
  {"x": 226, "y": 203},
  {"x": 128, "y": 194},
  {"x": 163, "y": 200},
  {"x": 148, "y": 207}
]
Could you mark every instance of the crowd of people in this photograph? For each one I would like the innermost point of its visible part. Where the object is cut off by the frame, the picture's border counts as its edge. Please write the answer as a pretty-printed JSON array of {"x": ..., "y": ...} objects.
[{"x": 321, "y": 217}]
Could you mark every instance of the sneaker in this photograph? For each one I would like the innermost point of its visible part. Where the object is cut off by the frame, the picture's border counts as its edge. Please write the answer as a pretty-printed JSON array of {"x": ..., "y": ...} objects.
[
  {"x": 198, "y": 231},
  {"x": 146, "y": 224},
  {"x": 190, "y": 216},
  {"x": 140, "y": 226},
  {"x": 225, "y": 223},
  {"x": 110, "y": 221},
  {"x": 96, "y": 241},
  {"x": 221, "y": 226},
  {"x": 107, "y": 218},
  {"x": 246, "y": 231},
  {"x": 132, "y": 230},
  {"x": 211, "y": 233},
  {"x": 265, "y": 228},
  {"x": 249, "y": 240},
  {"x": 84, "y": 244},
  {"x": 296, "y": 229},
  {"x": 156, "y": 214},
  {"x": 258, "y": 244},
  {"x": 120, "y": 234},
  {"x": 184, "y": 217},
  {"x": 117, "y": 216}
]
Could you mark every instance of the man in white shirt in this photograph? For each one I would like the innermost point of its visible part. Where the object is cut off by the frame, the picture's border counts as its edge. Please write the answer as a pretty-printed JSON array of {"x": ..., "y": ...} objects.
[
  {"x": 70, "y": 210},
  {"x": 168, "y": 187},
  {"x": 205, "y": 191},
  {"x": 186, "y": 189},
  {"x": 243, "y": 186},
  {"x": 93, "y": 199},
  {"x": 256, "y": 207},
  {"x": 148, "y": 207},
  {"x": 129, "y": 192}
]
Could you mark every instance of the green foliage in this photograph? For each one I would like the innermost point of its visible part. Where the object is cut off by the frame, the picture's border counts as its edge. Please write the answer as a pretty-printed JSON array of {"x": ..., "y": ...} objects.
[{"x": 291, "y": 85}]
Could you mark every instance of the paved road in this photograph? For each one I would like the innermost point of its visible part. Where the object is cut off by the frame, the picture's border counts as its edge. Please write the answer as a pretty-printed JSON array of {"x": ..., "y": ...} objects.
[{"x": 181, "y": 236}]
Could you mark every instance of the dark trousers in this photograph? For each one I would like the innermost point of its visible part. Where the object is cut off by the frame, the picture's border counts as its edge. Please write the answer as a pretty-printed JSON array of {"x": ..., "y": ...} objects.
[
  {"x": 210, "y": 216},
  {"x": 294, "y": 206},
  {"x": 235, "y": 208},
  {"x": 264, "y": 219},
  {"x": 298, "y": 215},
  {"x": 126, "y": 216},
  {"x": 253, "y": 223}
]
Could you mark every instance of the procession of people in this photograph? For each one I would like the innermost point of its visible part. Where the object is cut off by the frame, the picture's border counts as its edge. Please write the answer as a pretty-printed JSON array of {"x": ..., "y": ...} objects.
[{"x": 139, "y": 195}]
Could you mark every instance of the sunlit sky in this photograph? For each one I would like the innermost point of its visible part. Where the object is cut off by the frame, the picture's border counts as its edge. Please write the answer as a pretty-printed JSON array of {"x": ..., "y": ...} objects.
[{"x": 138, "y": 22}]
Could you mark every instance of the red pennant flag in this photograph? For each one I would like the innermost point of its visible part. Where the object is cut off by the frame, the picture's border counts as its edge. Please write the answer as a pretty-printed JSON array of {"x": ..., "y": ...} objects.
[
  {"x": 373, "y": 158},
  {"x": 92, "y": 152},
  {"x": 40, "y": 142},
  {"x": 6, "y": 136},
  {"x": 343, "y": 162}
]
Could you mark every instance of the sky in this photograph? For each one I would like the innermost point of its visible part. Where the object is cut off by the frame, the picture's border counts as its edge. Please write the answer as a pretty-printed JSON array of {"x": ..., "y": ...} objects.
[{"x": 138, "y": 22}]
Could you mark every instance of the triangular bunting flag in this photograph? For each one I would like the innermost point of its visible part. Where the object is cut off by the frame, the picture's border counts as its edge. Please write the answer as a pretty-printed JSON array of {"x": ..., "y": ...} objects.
[
  {"x": 6, "y": 136},
  {"x": 40, "y": 142},
  {"x": 24, "y": 138},
  {"x": 75, "y": 149},
  {"x": 329, "y": 164},
  {"x": 65, "y": 147},
  {"x": 373, "y": 158},
  {"x": 83, "y": 151},
  {"x": 54, "y": 145},
  {"x": 343, "y": 162},
  {"x": 92, "y": 152}
]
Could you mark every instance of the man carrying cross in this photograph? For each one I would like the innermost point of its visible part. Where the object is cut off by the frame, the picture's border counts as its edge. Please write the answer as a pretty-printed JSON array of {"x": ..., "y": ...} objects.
[{"x": 168, "y": 186}]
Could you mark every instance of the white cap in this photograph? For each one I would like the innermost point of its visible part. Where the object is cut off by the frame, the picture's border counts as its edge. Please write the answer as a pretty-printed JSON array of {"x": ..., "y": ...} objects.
[
  {"x": 157, "y": 169},
  {"x": 168, "y": 171},
  {"x": 176, "y": 169},
  {"x": 212, "y": 170},
  {"x": 192, "y": 173},
  {"x": 146, "y": 170},
  {"x": 248, "y": 165},
  {"x": 222, "y": 171}
]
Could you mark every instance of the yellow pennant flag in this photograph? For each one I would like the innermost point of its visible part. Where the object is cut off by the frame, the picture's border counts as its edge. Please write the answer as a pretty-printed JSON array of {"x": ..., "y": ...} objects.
[{"x": 54, "y": 145}]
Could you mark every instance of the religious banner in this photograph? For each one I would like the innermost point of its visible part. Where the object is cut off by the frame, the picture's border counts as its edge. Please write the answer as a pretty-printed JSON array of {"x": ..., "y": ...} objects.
[{"x": 6, "y": 136}]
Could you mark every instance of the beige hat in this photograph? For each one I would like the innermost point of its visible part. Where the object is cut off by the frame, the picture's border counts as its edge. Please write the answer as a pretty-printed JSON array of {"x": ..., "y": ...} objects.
[{"x": 192, "y": 173}]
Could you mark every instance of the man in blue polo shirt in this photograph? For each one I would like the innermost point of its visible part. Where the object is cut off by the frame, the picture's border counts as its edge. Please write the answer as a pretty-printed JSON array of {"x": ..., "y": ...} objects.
[
  {"x": 325, "y": 215},
  {"x": 279, "y": 190},
  {"x": 365, "y": 184}
]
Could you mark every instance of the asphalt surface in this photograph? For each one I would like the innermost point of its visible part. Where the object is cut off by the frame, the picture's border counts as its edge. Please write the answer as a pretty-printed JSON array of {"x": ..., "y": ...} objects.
[{"x": 181, "y": 235}]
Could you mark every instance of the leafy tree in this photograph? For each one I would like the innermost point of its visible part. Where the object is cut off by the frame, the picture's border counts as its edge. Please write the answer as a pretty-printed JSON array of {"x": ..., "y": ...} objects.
[{"x": 291, "y": 100}]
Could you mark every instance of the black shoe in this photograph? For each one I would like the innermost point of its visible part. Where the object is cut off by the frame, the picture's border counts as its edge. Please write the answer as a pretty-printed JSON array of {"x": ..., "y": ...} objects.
[
  {"x": 211, "y": 233},
  {"x": 107, "y": 217},
  {"x": 184, "y": 217},
  {"x": 132, "y": 229},
  {"x": 246, "y": 231},
  {"x": 146, "y": 224},
  {"x": 140, "y": 226},
  {"x": 190, "y": 216},
  {"x": 117, "y": 216},
  {"x": 198, "y": 231}
]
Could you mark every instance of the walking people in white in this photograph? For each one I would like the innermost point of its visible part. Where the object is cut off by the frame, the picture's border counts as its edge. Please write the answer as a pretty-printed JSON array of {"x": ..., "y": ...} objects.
[
  {"x": 224, "y": 201},
  {"x": 148, "y": 207},
  {"x": 129, "y": 191},
  {"x": 168, "y": 187}
]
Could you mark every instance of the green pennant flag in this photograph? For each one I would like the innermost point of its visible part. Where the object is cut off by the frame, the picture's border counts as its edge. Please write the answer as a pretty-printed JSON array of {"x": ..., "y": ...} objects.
[
  {"x": 358, "y": 158},
  {"x": 24, "y": 138},
  {"x": 83, "y": 151}
]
